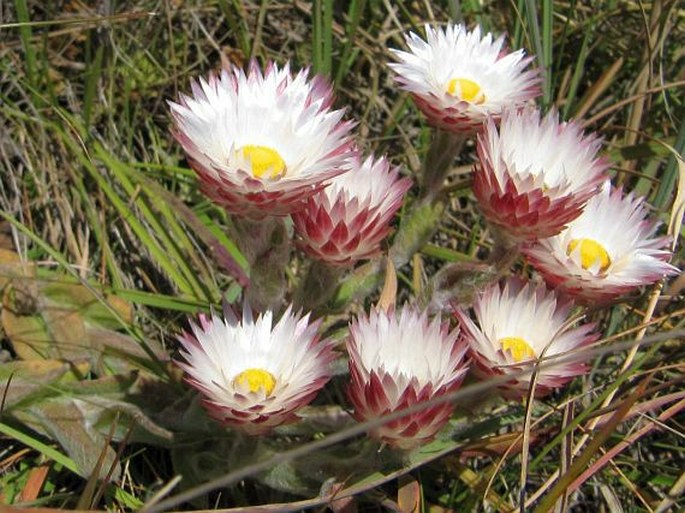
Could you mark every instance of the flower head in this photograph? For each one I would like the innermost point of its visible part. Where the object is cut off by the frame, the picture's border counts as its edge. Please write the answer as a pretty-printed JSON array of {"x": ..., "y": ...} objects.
[
  {"x": 254, "y": 375},
  {"x": 348, "y": 220},
  {"x": 400, "y": 360},
  {"x": 459, "y": 78},
  {"x": 261, "y": 143},
  {"x": 535, "y": 175},
  {"x": 516, "y": 325},
  {"x": 608, "y": 251}
]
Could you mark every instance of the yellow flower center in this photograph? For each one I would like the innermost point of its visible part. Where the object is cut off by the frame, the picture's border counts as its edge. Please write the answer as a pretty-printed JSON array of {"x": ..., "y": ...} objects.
[
  {"x": 518, "y": 348},
  {"x": 255, "y": 380},
  {"x": 591, "y": 253},
  {"x": 264, "y": 160},
  {"x": 466, "y": 90}
]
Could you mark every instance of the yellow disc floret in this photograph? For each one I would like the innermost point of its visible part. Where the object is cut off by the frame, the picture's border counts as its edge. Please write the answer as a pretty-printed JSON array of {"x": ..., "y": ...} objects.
[
  {"x": 255, "y": 380},
  {"x": 519, "y": 348},
  {"x": 263, "y": 160},
  {"x": 591, "y": 253},
  {"x": 466, "y": 90}
]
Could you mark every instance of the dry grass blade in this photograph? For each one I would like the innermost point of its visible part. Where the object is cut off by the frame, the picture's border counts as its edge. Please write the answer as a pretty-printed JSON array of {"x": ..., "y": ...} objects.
[
  {"x": 676, "y": 491},
  {"x": 598, "y": 89},
  {"x": 629, "y": 100},
  {"x": 644, "y": 79},
  {"x": 582, "y": 461},
  {"x": 624, "y": 444},
  {"x": 678, "y": 209},
  {"x": 565, "y": 455}
]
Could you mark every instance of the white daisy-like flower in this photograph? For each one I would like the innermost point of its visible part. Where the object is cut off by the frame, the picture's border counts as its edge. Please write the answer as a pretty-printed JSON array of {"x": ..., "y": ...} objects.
[
  {"x": 608, "y": 251},
  {"x": 348, "y": 220},
  {"x": 535, "y": 175},
  {"x": 253, "y": 374},
  {"x": 459, "y": 78},
  {"x": 399, "y": 360},
  {"x": 516, "y": 325},
  {"x": 262, "y": 143}
]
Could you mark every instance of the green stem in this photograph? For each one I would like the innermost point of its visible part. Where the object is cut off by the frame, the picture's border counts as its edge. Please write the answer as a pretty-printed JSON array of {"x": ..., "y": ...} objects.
[
  {"x": 266, "y": 246},
  {"x": 417, "y": 227},
  {"x": 504, "y": 252},
  {"x": 441, "y": 154},
  {"x": 419, "y": 223},
  {"x": 318, "y": 286}
]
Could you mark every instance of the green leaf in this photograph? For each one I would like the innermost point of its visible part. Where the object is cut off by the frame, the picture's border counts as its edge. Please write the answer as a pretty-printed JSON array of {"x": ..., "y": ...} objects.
[
  {"x": 416, "y": 229},
  {"x": 25, "y": 381},
  {"x": 66, "y": 293},
  {"x": 62, "y": 420}
]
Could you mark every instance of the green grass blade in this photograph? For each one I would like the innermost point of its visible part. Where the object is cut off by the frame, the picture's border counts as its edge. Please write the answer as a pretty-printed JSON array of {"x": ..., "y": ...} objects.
[
  {"x": 519, "y": 26},
  {"x": 578, "y": 70},
  {"x": 322, "y": 36},
  {"x": 141, "y": 232},
  {"x": 541, "y": 47},
  {"x": 235, "y": 15},
  {"x": 665, "y": 190},
  {"x": 39, "y": 446},
  {"x": 124, "y": 498},
  {"x": 528, "y": 27},
  {"x": 25, "y": 35},
  {"x": 547, "y": 49},
  {"x": 226, "y": 254},
  {"x": 161, "y": 301},
  {"x": 445, "y": 254},
  {"x": 92, "y": 77},
  {"x": 167, "y": 255},
  {"x": 354, "y": 14}
]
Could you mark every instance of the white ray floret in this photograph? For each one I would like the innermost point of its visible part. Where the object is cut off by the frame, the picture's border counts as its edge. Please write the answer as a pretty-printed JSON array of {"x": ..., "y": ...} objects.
[
  {"x": 609, "y": 250},
  {"x": 459, "y": 78},
  {"x": 398, "y": 360},
  {"x": 253, "y": 373},
  {"x": 261, "y": 141},
  {"x": 517, "y": 324}
]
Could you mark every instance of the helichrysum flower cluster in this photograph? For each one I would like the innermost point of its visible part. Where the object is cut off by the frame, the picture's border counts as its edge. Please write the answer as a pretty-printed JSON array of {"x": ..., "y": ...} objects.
[{"x": 270, "y": 144}]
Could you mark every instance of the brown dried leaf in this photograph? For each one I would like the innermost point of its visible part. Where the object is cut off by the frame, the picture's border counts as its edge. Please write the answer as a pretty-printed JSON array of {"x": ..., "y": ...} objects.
[
  {"x": 389, "y": 292},
  {"x": 409, "y": 495},
  {"x": 28, "y": 334},
  {"x": 34, "y": 483},
  {"x": 68, "y": 333},
  {"x": 11, "y": 267}
]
